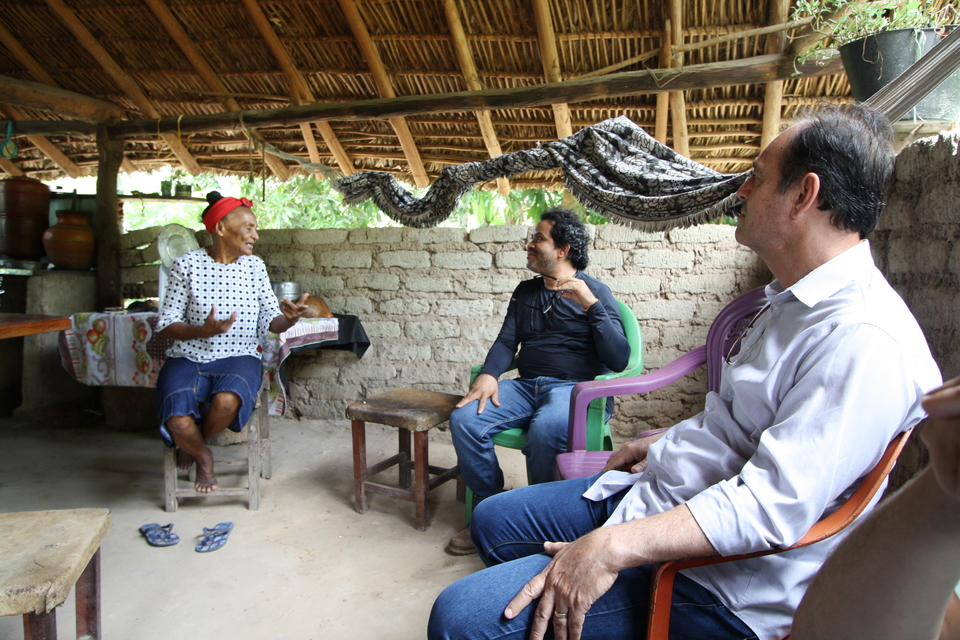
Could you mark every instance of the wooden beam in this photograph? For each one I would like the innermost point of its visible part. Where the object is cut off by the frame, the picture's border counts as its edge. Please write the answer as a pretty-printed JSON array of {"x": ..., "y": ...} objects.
[
  {"x": 472, "y": 77},
  {"x": 752, "y": 70},
  {"x": 773, "y": 91},
  {"x": 678, "y": 107},
  {"x": 10, "y": 168},
  {"x": 550, "y": 58},
  {"x": 663, "y": 99},
  {"x": 33, "y": 95},
  {"x": 34, "y": 67},
  {"x": 106, "y": 222},
  {"x": 126, "y": 83},
  {"x": 40, "y": 75},
  {"x": 385, "y": 88},
  {"x": 44, "y": 144},
  {"x": 208, "y": 75}
]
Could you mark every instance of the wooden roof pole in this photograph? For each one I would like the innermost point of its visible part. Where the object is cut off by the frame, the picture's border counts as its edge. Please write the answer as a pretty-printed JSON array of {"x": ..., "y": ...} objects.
[
  {"x": 299, "y": 92},
  {"x": 773, "y": 91},
  {"x": 44, "y": 144},
  {"x": 123, "y": 80},
  {"x": 385, "y": 88},
  {"x": 10, "y": 168},
  {"x": 207, "y": 74},
  {"x": 41, "y": 75},
  {"x": 551, "y": 63},
  {"x": 472, "y": 76},
  {"x": 663, "y": 98},
  {"x": 41, "y": 142},
  {"x": 678, "y": 107}
]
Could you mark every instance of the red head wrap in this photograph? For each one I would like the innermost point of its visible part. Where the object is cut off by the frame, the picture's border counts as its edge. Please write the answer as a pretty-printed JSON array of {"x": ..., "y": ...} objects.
[{"x": 221, "y": 208}]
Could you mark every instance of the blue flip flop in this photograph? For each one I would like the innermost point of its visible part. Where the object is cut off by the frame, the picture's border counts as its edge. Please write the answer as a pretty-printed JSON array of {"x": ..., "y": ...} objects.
[
  {"x": 158, "y": 536},
  {"x": 214, "y": 538}
]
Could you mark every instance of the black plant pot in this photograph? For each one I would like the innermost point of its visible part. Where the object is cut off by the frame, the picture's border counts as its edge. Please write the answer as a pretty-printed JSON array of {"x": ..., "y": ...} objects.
[{"x": 873, "y": 62}]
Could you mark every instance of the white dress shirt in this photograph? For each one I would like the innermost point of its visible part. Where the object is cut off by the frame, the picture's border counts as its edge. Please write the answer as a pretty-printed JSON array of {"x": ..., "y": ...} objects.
[
  {"x": 827, "y": 376},
  {"x": 197, "y": 281}
]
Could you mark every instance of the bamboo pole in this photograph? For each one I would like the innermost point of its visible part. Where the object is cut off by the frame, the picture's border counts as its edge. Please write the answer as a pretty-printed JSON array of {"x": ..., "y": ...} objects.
[{"x": 551, "y": 63}]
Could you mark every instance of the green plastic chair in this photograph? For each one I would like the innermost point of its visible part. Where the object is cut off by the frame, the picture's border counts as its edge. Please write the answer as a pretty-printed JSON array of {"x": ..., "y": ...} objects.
[{"x": 598, "y": 429}]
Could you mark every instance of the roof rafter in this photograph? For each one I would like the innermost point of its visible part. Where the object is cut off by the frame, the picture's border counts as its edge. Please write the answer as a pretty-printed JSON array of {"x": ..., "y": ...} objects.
[
  {"x": 773, "y": 91},
  {"x": 46, "y": 146},
  {"x": 551, "y": 63},
  {"x": 678, "y": 107},
  {"x": 126, "y": 83},
  {"x": 300, "y": 92},
  {"x": 472, "y": 76},
  {"x": 385, "y": 88},
  {"x": 207, "y": 74}
]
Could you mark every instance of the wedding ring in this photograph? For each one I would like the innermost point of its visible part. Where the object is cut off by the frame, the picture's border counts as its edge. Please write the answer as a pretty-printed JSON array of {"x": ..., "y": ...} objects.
[{"x": 557, "y": 614}]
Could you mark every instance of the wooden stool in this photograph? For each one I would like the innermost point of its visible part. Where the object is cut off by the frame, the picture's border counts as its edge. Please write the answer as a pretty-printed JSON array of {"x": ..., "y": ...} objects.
[
  {"x": 256, "y": 433},
  {"x": 46, "y": 553},
  {"x": 408, "y": 410}
]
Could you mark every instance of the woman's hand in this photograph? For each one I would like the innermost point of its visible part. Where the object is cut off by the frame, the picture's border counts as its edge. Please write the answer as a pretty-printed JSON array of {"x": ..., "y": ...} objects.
[
  {"x": 213, "y": 327},
  {"x": 291, "y": 312}
]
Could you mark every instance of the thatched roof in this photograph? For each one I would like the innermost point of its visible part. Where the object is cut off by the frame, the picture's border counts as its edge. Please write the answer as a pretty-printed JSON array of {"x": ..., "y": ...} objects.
[{"x": 183, "y": 58}]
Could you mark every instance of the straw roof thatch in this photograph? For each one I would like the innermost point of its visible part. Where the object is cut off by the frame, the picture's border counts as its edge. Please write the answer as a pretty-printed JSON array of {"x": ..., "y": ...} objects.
[{"x": 184, "y": 58}]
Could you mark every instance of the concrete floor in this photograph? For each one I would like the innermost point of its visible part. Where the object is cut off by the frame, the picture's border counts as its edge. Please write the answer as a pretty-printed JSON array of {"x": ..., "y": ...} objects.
[{"x": 304, "y": 566}]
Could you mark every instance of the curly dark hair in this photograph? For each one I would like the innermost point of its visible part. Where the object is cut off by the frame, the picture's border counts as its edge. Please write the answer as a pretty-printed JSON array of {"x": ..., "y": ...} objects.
[
  {"x": 849, "y": 148},
  {"x": 569, "y": 230}
]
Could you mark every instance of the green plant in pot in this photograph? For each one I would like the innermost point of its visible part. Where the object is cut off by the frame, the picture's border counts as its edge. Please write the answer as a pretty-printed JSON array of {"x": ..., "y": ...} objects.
[{"x": 877, "y": 41}]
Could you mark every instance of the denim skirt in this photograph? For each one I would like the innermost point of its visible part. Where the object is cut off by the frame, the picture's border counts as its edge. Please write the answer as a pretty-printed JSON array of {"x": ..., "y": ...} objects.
[{"x": 184, "y": 387}]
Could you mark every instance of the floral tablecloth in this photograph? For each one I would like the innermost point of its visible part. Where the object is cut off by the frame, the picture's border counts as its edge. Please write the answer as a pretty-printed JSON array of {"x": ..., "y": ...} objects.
[{"x": 123, "y": 349}]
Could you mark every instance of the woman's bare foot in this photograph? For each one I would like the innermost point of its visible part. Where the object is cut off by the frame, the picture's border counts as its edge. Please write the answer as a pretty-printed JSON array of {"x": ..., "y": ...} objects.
[
  {"x": 206, "y": 480},
  {"x": 184, "y": 460}
]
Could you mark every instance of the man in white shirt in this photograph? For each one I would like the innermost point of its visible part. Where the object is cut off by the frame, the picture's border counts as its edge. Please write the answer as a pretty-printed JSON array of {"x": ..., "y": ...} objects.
[{"x": 831, "y": 370}]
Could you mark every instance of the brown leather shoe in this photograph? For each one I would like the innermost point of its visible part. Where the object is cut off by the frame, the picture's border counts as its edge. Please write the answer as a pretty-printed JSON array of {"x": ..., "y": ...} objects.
[{"x": 460, "y": 544}]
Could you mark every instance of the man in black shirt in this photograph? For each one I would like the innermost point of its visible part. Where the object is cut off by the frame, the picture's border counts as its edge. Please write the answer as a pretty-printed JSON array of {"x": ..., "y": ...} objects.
[{"x": 567, "y": 327}]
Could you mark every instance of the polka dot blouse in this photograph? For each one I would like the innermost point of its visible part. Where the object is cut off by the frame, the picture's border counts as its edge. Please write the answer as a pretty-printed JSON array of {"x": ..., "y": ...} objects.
[{"x": 196, "y": 282}]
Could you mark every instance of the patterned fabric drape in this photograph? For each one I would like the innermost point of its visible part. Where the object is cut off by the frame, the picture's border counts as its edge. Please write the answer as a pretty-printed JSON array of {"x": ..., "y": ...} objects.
[{"x": 614, "y": 168}]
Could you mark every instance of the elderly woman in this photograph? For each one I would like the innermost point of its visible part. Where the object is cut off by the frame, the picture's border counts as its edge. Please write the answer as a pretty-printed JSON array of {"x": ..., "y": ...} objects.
[{"x": 218, "y": 307}]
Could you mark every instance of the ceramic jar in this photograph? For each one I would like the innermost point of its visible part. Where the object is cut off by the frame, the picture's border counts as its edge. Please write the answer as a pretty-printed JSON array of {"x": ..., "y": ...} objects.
[
  {"x": 70, "y": 244},
  {"x": 24, "y": 214}
]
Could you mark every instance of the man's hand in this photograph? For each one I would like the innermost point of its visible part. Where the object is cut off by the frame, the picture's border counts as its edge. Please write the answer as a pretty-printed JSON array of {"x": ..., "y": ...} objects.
[
  {"x": 632, "y": 456},
  {"x": 213, "y": 327},
  {"x": 485, "y": 386},
  {"x": 578, "y": 575},
  {"x": 942, "y": 435},
  {"x": 292, "y": 311},
  {"x": 576, "y": 290}
]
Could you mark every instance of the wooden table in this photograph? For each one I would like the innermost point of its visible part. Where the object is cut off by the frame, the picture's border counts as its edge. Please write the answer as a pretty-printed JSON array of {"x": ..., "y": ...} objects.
[
  {"x": 14, "y": 325},
  {"x": 45, "y": 554}
]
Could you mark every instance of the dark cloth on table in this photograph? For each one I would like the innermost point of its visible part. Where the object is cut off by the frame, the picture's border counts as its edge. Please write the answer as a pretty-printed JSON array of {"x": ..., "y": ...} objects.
[{"x": 183, "y": 386}]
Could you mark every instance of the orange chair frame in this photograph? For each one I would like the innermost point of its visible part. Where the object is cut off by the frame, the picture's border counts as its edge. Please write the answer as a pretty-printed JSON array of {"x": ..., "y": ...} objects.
[{"x": 661, "y": 582}]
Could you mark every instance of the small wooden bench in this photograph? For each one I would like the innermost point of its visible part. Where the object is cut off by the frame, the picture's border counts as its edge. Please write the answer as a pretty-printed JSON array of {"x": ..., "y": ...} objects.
[
  {"x": 46, "y": 553},
  {"x": 408, "y": 410}
]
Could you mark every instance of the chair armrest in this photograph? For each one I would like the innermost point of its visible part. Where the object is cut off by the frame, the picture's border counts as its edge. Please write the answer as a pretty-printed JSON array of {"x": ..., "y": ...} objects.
[{"x": 585, "y": 392}]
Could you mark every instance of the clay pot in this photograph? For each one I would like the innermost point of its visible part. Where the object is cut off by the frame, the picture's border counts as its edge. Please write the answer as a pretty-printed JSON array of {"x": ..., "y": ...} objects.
[
  {"x": 316, "y": 308},
  {"x": 24, "y": 214},
  {"x": 70, "y": 244}
]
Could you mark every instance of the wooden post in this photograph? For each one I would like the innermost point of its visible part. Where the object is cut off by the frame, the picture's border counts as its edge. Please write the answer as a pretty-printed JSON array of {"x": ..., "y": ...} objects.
[{"x": 106, "y": 223}]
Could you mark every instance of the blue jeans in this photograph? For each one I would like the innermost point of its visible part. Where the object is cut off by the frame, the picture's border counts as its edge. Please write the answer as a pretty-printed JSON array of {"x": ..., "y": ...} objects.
[
  {"x": 539, "y": 405},
  {"x": 509, "y": 530}
]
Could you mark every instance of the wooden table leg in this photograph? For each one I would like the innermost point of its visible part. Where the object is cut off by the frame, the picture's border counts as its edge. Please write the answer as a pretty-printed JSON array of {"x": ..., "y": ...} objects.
[
  {"x": 359, "y": 464},
  {"x": 40, "y": 626},
  {"x": 421, "y": 479},
  {"x": 406, "y": 460},
  {"x": 87, "y": 593}
]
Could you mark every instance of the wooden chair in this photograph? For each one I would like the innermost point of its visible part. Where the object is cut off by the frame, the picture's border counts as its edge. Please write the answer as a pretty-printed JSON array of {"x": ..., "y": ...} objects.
[
  {"x": 661, "y": 587},
  {"x": 596, "y": 427},
  {"x": 256, "y": 433},
  {"x": 581, "y": 460}
]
